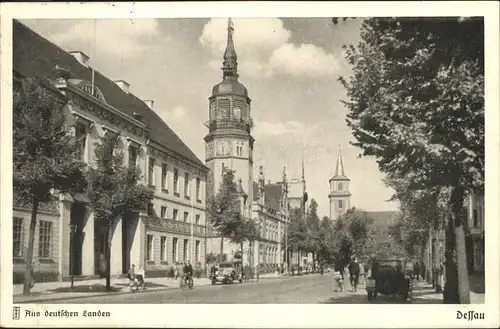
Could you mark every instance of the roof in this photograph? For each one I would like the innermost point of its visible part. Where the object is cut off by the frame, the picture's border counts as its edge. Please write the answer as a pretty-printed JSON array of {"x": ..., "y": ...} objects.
[
  {"x": 383, "y": 219},
  {"x": 34, "y": 55},
  {"x": 272, "y": 194},
  {"x": 229, "y": 87}
]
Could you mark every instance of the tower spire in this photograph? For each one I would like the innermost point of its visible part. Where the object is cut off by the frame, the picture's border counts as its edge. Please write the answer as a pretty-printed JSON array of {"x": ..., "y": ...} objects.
[
  {"x": 339, "y": 169},
  {"x": 230, "y": 63}
]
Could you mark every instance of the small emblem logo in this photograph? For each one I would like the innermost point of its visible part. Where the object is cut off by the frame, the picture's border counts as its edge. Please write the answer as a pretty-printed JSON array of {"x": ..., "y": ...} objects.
[{"x": 16, "y": 312}]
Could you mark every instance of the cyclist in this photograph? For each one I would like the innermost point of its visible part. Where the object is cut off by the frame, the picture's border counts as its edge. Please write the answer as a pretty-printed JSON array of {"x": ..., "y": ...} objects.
[{"x": 188, "y": 272}]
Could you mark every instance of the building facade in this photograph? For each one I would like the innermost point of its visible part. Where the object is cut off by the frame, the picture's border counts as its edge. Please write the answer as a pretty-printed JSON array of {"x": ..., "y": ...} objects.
[
  {"x": 475, "y": 232},
  {"x": 340, "y": 197},
  {"x": 172, "y": 228}
]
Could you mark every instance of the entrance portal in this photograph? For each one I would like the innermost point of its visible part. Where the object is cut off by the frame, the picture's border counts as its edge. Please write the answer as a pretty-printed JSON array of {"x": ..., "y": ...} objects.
[{"x": 78, "y": 218}]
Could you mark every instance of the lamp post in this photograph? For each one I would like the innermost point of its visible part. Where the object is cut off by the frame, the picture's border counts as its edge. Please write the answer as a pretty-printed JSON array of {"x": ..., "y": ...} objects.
[{"x": 72, "y": 228}]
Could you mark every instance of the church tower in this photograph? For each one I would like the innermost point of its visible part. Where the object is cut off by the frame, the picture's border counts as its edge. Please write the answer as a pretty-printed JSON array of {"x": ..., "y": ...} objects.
[
  {"x": 229, "y": 143},
  {"x": 340, "y": 197}
]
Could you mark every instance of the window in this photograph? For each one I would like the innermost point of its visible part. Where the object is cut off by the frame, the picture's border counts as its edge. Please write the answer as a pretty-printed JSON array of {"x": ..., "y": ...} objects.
[
  {"x": 164, "y": 176},
  {"x": 17, "y": 237},
  {"x": 163, "y": 211},
  {"x": 151, "y": 171},
  {"x": 340, "y": 204},
  {"x": 339, "y": 186},
  {"x": 44, "y": 239},
  {"x": 237, "y": 113},
  {"x": 81, "y": 140},
  {"x": 132, "y": 156},
  {"x": 475, "y": 217},
  {"x": 185, "y": 249},
  {"x": 197, "y": 251},
  {"x": 174, "y": 249},
  {"x": 163, "y": 248},
  {"x": 151, "y": 209},
  {"x": 197, "y": 220},
  {"x": 150, "y": 247},
  {"x": 176, "y": 180},
  {"x": 186, "y": 216},
  {"x": 175, "y": 213},
  {"x": 198, "y": 187},
  {"x": 186, "y": 184}
]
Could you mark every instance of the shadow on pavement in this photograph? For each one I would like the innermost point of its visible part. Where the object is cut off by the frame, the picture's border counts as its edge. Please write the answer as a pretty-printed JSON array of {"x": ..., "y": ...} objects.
[
  {"x": 476, "y": 283},
  {"x": 117, "y": 287}
]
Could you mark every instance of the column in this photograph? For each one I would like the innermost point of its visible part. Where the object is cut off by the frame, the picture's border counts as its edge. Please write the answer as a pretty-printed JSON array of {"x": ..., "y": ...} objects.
[
  {"x": 64, "y": 238},
  {"x": 138, "y": 236},
  {"x": 116, "y": 250},
  {"x": 88, "y": 245}
]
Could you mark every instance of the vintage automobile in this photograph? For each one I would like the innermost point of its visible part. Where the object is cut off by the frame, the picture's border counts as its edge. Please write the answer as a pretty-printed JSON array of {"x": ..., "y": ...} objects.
[
  {"x": 387, "y": 277},
  {"x": 225, "y": 273}
]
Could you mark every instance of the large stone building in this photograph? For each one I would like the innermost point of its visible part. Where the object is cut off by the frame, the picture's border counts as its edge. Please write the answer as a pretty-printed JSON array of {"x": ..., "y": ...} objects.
[
  {"x": 173, "y": 227},
  {"x": 340, "y": 197}
]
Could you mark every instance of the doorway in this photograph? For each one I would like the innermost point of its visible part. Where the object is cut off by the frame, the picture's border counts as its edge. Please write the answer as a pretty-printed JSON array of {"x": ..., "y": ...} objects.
[{"x": 78, "y": 215}]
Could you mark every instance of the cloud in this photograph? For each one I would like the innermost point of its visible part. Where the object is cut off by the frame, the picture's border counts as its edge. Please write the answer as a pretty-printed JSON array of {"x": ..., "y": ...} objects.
[
  {"x": 281, "y": 128},
  {"x": 301, "y": 60},
  {"x": 116, "y": 37},
  {"x": 264, "y": 49},
  {"x": 177, "y": 113}
]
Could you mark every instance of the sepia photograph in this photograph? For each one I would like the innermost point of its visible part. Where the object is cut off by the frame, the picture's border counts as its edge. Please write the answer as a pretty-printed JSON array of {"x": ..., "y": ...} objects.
[{"x": 324, "y": 159}]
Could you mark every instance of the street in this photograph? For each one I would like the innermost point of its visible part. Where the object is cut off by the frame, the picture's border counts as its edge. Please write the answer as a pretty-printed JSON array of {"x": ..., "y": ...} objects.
[{"x": 308, "y": 289}]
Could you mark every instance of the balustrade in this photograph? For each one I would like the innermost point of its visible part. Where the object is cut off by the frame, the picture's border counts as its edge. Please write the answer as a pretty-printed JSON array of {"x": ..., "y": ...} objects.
[{"x": 174, "y": 226}]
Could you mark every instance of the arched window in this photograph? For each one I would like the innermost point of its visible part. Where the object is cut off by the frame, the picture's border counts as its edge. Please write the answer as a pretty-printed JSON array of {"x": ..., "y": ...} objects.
[
  {"x": 237, "y": 113},
  {"x": 340, "y": 204}
]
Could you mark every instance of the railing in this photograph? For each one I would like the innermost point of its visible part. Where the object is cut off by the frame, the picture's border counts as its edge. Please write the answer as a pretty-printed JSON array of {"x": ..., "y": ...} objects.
[
  {"x": 174, "y": 226},
  {"x": 228, "y": 124}
]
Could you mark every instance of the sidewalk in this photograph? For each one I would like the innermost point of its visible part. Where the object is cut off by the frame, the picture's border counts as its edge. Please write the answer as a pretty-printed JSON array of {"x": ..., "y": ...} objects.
[
  {"x": 89, "y": 288},
  {"x": 424, "y": 293}
]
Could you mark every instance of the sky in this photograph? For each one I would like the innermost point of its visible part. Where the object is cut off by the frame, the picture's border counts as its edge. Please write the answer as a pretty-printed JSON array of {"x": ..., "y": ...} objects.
[{"x": 290, "y": 67}]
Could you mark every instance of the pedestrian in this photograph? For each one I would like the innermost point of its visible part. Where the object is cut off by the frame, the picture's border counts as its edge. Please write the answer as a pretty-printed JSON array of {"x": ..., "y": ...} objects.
[
  {"x": 362, "y": 273},
  {"x": 176, "y": 271},
  {"x": 423, "y": 272},
  {"x": 131, "y": 276},
  {"x": 416, "y": 270},
  {"x": 257, "y": 271},
  {"x": 140, "y": 277}
]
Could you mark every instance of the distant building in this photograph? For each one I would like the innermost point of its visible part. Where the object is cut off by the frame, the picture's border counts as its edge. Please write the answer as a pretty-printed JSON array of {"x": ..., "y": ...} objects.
[
  {"x": 340, "y": 197},
  {"x": 172, "y": 228},
  {"x": 475, "y": 232}
]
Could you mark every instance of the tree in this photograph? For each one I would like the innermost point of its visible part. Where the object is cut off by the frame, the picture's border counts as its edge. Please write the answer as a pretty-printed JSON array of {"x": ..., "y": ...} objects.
[
  {"x": 114, "y": 192},
  {"x": 326, "y": 240},
  {"x": 313, "y": 228},
  {"x": 224, "y": 211},
  {"x": 44, "y": 154},
  {"x": 350, "y": 236},
  {"x": 416, "y": 103}
]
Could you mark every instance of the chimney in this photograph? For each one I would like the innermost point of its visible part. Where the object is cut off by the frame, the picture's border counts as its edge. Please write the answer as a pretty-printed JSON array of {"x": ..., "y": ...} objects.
[
  {"x": 149, "y": 103},
  {"x": 81, "y": 57},
  {"x": 123, "y": 85}
]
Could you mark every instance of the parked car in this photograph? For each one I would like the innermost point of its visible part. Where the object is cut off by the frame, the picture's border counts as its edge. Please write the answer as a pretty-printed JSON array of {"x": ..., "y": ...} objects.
[
  {"x": 225, "y": 273},
  {"x": 387, "y": 277}
]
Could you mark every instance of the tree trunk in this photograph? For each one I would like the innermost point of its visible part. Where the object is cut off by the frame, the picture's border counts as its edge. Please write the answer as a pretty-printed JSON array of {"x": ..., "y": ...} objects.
[
  {"x": 31, "y": 243},
  {"x": 221, "y": 247},
  {"x": 108, "y": 243},
  {"x": 457, "y": 279}
]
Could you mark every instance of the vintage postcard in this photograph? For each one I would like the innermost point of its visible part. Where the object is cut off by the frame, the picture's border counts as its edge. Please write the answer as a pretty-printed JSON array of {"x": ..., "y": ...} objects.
[{"x": 250, "y": 164}]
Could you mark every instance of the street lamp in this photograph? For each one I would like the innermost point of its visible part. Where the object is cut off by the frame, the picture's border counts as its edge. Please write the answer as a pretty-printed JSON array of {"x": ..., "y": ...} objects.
[{"x": 72, "y": 228}]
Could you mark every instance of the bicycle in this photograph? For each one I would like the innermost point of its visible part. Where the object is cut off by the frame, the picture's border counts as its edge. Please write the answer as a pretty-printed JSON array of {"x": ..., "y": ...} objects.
[{"x": 187, "y": 283}]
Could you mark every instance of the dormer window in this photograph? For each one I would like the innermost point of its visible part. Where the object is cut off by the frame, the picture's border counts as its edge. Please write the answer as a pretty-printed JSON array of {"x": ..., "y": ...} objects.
[{"x": 88, "y": 88}]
